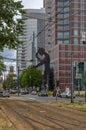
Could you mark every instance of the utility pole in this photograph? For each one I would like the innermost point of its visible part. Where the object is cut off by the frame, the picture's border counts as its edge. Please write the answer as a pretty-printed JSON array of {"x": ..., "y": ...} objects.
[
  {"x": 72, "y": 78},
  {"x": 85, "y": 93},
  {"x": 33, "y": 48},
  {"x": 18, "y": 80}
]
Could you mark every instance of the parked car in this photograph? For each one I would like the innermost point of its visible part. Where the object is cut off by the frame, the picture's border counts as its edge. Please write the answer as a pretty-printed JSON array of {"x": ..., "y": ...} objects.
[
  {"x": 66, "y": 94},
  {"x": 59, "y": 92},
  {"x": 12, "y": 91},
  {"x": 4, "y": 93},
  {"x": 43, "y": 93},
  {"x": 34, "y": 92},
  {"x": 24, "y": 92}
]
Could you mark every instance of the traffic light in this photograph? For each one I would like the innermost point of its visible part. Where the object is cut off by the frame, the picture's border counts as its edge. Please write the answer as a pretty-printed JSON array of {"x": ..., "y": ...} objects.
[{"x": 81, "y": 66}]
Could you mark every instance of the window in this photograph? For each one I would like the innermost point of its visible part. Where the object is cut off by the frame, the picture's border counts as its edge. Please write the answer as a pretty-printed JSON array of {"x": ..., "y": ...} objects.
[
  {"x": 66, "y": 15},
  {"x": 49, "y": 46},
  {"x": 60, "y": 16},
  {"x": 75, "y": 32},
  {"x": 49, "y": 39},
  {"x": 76, "y": 0},
  {"x": 75, "y": 18},
  {"x": 48, "y": 10},
  {"x": 60, "y": 41},
  {"x": 75, "y": 41},
  {"x": 60, "y": 3},
  {"x": 66, "y": 41},
  {"x": 66, "y": 34},
  {"x": 82, "y": 25},
  {"x": 75, "y": 25},
  {"x": 60, "y": 22},
  {"x": 60, "y": 27},
  {"x": 82, "y": 19},
  {"x": 60, "y": 34},
  {"x": 66, "y": 9},
  {"x": 66, "y": 21},
  {"x": 81, "y": 42},
  {"x": 82, "y": 0},
  {"x": 66, "y": 27},
  {"x": 49, "y": 32},
  {"x": 75, "y": 6},
  {"x": 82, "y": 13},
  {"x": 81, "y": 6}
]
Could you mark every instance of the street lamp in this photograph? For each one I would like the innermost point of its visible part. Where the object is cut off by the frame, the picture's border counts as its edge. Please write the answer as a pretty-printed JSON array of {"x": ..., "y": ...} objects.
[
  {"x": 84, "y": 42},
  {"x": 72, "y": 89},
  {"x": 30, "y": 80},
  {"x": 18, "y": 80}
]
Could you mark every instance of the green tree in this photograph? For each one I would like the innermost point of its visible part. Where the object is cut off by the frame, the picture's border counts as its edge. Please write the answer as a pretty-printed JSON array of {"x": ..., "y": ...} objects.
[
  {"x": 2, "y": 65},
  {"x": 23, "y": 80},
  {"x": 30, "y": 77},
  {"x": 10, "y": 27},
  {"x": 8, "y": 82},
  {"x": 84, "y": 81}
]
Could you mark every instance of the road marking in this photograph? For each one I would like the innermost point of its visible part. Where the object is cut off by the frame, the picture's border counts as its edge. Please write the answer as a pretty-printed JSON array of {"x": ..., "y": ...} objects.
[{"x": 32, "y": 98}]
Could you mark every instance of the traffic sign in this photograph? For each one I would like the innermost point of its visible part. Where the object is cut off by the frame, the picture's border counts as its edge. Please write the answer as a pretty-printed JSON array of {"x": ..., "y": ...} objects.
[{"x": 78, "y": 75}]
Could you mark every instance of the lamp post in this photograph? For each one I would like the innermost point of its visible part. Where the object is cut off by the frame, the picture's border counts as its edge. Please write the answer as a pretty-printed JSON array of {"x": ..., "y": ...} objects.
[
  {"x": 72, "y": 79},
  {"x": 85, "y": 93},
  {"x": 18, "y": 80},
  {"x": 84, "y": 42},
  {"x": 30, "y": 80}
]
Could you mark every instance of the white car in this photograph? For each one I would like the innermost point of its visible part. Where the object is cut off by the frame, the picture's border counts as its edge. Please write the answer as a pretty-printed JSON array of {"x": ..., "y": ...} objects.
[
  {"x": 66, "y": 94},
  {"x": 4, "y": 93},
  {"x": 34, "y": 92}
]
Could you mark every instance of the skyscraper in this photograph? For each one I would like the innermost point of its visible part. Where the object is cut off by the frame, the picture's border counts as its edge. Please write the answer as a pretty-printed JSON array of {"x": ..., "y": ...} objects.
[
  {"x": 33, "y": 25},
  {"x": 65, "y": 38}
]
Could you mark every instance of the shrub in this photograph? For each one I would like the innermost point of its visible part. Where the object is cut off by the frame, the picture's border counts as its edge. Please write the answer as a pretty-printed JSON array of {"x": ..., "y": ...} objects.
[
  {"x": 50, "y": 93},
  {"x": 81, "y": 95}
]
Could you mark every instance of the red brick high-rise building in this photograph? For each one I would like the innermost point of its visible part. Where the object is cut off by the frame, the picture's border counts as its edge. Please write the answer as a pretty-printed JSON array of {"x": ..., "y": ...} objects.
[{"x": 65, "y": 38}]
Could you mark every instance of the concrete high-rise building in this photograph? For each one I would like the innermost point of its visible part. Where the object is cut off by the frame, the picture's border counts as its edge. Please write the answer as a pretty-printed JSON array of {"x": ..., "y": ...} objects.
[
  {"x": 65, "y": 39},
  {"x": 33, "y": 37}
]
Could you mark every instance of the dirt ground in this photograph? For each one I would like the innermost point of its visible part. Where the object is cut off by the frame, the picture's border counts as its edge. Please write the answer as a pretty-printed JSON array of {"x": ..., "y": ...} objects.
[{"x": 32, "y": 115}]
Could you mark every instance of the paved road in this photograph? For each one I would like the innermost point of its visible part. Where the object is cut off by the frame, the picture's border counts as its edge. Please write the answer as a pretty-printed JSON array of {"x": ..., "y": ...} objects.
[{"x": 49, "y": 98}]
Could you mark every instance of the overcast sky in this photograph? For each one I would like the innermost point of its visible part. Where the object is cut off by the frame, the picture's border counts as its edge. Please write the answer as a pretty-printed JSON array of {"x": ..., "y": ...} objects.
[{"x": 32, "y": 4}]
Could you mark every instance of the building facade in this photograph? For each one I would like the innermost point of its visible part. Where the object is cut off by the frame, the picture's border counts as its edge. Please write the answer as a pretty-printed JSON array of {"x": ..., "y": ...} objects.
[
  {"x": 65, "y": 39},
  {"x": 33, "y": 25}
]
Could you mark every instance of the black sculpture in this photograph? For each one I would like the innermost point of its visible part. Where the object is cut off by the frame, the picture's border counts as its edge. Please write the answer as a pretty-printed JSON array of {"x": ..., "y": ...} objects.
[{"x": 45, "y": 61}]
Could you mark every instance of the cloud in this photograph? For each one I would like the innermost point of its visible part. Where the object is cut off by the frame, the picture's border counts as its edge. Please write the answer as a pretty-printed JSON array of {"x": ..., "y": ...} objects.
[
  {"x": 8, "y": 53},
  {"x": 33, "y": 4}
]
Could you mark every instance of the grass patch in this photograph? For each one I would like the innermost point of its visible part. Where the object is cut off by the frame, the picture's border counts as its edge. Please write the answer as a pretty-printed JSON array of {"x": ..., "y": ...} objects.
[
  {"x": 5, "y": 127},
  {"x": 79, "y": 105},
  {"x": 80, "y": 95}
]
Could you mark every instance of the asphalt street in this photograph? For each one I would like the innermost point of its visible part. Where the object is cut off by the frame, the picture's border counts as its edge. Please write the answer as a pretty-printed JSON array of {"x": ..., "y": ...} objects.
[{"x": 49, "y": 98}]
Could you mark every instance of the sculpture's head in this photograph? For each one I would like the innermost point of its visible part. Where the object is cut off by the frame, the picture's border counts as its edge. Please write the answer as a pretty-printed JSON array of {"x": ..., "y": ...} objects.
[{"x": 41, "y": 51}]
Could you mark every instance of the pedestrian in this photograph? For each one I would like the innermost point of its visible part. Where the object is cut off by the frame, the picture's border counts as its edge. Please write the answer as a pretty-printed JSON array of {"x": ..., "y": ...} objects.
[{"x": 57, "y": 92}]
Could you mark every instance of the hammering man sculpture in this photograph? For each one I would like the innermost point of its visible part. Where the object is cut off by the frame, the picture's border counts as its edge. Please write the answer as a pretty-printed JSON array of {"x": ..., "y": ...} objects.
[{"x": 46, "y": 61}]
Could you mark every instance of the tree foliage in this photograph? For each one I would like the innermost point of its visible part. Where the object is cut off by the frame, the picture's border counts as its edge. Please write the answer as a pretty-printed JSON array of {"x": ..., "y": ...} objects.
[
  {"x": 2, "y": 65},
  {"x": 10, "y": 27},
  {"x": 8, "y": 82},
  {"x": 84, "y": 80},
  {"x": 30, "y": 77}
]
